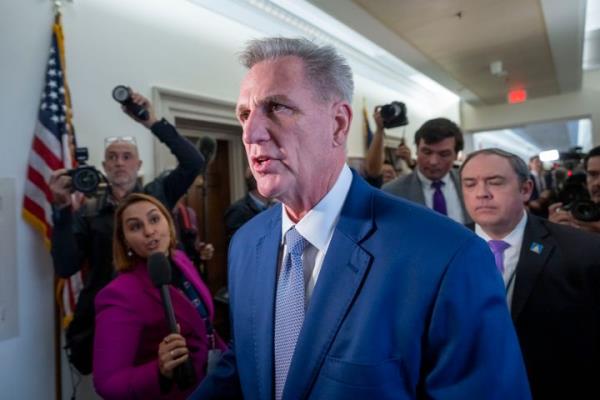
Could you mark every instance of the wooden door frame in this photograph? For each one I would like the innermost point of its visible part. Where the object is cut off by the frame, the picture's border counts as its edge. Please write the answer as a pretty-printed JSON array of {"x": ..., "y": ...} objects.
[{"x": 172, "y": 104}]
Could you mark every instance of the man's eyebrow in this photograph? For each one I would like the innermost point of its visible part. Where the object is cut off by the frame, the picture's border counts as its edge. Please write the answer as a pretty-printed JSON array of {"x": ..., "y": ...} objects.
[{"x": 275, "y": 98}]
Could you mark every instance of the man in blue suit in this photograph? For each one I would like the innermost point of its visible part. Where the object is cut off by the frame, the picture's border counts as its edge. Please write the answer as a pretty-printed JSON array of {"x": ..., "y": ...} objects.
[{"x": 343, "y": 291}]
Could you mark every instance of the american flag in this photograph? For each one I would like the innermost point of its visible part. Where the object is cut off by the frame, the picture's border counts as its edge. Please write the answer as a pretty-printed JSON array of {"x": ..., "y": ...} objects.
[{"x": 52, "y": 148}]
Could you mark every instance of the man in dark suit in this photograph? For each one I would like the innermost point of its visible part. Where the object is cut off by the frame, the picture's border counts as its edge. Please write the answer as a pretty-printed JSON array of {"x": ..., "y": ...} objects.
[
  {"x": 342, "y": 291},
  {"x": 551, "y": 274},
  {"x": 245, "y": 208},
  {"x": 433, "y": 182}
]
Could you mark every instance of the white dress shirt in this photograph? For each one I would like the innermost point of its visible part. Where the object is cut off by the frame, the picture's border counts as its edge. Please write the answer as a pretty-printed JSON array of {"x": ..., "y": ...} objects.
[
  {"x": 511, "y": 254},
  {"x": 317, "y": 228},
  {"x": 453, "y": 204}
]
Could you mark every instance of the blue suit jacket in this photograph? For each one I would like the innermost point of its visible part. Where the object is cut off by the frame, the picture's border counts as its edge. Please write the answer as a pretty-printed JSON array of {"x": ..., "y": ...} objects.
[{"x": 408, "y": 304}]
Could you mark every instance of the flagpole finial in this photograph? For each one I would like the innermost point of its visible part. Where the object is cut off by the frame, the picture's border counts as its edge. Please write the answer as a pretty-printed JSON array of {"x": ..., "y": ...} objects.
[{"x": 57, "y": 6}]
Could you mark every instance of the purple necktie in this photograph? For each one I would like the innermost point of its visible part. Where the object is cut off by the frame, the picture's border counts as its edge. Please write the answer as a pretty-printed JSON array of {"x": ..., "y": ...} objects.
[
  {"x": 498, "y": 247},
  {"x": 439, "y": 202},
  {"x": 289, "y": 307}
]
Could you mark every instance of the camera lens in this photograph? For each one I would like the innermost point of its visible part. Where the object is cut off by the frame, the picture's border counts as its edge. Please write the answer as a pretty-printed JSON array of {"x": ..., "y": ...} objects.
[
  {"x": 586, "y": 211},
  {"x": 121, "y": 93},
  {"x": 86, "y": 180}
]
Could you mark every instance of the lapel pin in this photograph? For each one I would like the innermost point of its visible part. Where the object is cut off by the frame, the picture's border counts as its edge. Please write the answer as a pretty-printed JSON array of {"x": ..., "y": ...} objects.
[{"x": 536, "y": 248}]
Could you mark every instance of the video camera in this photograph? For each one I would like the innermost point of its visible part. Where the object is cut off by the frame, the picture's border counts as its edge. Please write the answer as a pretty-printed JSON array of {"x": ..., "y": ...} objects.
[
  {"x": 576, "y": 199},
  {"x": 85, "y": 178},
  {"x": 393, "y": 114}
]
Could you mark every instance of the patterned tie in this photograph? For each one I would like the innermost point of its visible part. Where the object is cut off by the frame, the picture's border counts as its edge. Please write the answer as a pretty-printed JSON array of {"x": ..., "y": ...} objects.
[
  {"x": 498, "y": 247},
  {"x": 439, "y": 202},
  {"x": 289, "y": 308}
]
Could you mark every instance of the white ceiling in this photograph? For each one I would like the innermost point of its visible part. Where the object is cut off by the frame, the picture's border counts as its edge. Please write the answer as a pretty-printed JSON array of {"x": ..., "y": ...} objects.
[{"x": 540, "y": 42}]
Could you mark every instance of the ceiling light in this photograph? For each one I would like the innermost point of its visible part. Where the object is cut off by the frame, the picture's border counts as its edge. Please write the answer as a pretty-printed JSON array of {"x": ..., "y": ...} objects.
[{"x": 550, "y": 155}]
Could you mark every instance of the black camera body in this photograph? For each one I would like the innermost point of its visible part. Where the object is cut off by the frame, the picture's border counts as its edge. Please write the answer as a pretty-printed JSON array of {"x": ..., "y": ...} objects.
[
  {"x": 393, "y": 114},
  {"x": 85, "y": 178},
  {"x": 576, "y": 199}
]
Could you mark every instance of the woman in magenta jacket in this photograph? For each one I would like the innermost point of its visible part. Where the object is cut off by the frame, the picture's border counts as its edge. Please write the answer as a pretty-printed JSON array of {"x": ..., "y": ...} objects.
[{"x": 135, "y": 355}]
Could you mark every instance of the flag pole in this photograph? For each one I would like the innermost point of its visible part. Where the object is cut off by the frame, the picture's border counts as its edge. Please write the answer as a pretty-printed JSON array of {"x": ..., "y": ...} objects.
[
  {"x": 57, "y": 5},
  {"x": 57, "y": 315}
]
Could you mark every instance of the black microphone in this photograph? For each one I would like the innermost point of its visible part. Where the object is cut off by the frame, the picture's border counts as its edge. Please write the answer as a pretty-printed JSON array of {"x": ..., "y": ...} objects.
[
  {"x": 159, "y": 270},
  {"x": 122, "y": 94}
]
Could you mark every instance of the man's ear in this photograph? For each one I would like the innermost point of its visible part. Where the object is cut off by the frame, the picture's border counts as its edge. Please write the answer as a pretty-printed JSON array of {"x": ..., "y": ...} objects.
[
  {"x": 342, "y": 114},
  {"x": 139, "y": 165},
  {"x": 527, "y": 189}
]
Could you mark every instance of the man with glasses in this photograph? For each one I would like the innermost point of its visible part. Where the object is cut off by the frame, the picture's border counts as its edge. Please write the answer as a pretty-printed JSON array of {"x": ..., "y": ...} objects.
[{"x": 85, "y": 236}]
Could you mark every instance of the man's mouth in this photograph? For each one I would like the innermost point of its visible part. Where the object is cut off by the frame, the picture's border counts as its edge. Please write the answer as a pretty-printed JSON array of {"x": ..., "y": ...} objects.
[{"x": 261, "y": 163}]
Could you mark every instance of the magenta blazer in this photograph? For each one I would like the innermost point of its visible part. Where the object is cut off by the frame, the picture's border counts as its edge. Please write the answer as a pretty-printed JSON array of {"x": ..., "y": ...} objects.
[{"x": 130, "y": 324}]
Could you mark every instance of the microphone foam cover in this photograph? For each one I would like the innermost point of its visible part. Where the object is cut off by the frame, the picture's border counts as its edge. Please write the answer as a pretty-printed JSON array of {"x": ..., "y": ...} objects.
[
  {"x": 208, "y": 148},
  {"x": 159, "y": 269}
]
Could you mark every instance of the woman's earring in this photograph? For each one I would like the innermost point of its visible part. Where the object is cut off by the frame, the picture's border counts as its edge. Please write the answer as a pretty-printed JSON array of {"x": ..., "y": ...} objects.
[{"x": 129, "y": 252}]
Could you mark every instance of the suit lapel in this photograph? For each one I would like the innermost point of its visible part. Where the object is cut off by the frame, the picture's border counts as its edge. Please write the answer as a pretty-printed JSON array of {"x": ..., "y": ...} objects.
[
  {"x": 532, "y": 261},
  {"x": 263, "y": 302},
  {"x": 416, "y": 189},
  {"x": 344, "y": 268},
  {"x": 456, "y": 180}
]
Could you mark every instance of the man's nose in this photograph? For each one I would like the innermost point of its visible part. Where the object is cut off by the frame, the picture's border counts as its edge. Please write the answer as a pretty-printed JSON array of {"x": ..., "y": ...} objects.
[
  {"x": 434, "y": 159},
  {"x": 481, "y": 191},
  {"x": 255, "y": 128}
]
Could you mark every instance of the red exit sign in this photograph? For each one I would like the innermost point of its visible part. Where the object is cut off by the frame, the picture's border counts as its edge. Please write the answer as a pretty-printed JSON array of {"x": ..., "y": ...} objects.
[{"x": 517, "y": 96}]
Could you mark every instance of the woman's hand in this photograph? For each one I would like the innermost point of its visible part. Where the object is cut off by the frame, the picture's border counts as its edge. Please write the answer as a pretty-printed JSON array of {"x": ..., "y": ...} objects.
[{"x": 172, "y": 352}]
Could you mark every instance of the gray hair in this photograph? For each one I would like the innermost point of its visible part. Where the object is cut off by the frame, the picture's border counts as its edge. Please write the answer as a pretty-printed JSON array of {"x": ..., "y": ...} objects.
[
  {"x": 325, "y": 68},
  {"x": 517, "y": 164}
]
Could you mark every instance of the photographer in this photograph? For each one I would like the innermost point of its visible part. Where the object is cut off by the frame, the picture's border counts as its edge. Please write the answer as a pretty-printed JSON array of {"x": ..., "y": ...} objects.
[
  {"x": 587, "y": 216},
  {"x": 85, "y": 236},
  {"x": 378, "y": 171}
]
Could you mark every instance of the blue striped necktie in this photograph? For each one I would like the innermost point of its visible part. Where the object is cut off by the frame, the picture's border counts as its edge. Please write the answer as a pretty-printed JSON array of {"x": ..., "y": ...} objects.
[{"x": 289, "y": 307}]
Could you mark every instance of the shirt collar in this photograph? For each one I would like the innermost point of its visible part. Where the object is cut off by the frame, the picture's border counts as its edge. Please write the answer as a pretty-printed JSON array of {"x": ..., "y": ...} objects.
[
  {"x": 514, "y": 238},
  {"x": 427, "y": 182},
  {"x": 318, "y": 224}
]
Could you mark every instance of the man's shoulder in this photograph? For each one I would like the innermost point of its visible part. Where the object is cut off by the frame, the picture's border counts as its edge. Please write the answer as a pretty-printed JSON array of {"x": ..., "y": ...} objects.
[
  {"x": 396, "y": 214},
  {"x": 401, "y": 181}
]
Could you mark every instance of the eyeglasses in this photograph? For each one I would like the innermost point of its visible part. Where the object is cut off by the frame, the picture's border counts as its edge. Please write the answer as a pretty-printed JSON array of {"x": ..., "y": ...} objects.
[{"x": 127, "y": 139}]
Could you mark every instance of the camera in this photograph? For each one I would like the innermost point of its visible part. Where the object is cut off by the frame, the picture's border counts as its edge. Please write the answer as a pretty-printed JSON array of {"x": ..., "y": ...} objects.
[
  {"x": 576, "y": 199},
  {"x": 393, "y": 114},
  {"x": 122, "y": 94},
  {"x": 85, "y": 178}
]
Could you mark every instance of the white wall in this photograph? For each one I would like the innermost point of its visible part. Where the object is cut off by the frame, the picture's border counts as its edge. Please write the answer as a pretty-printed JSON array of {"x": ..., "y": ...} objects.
[
  {"x": 141, "y": 43},
  {"x": 580, "y": 104}
]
